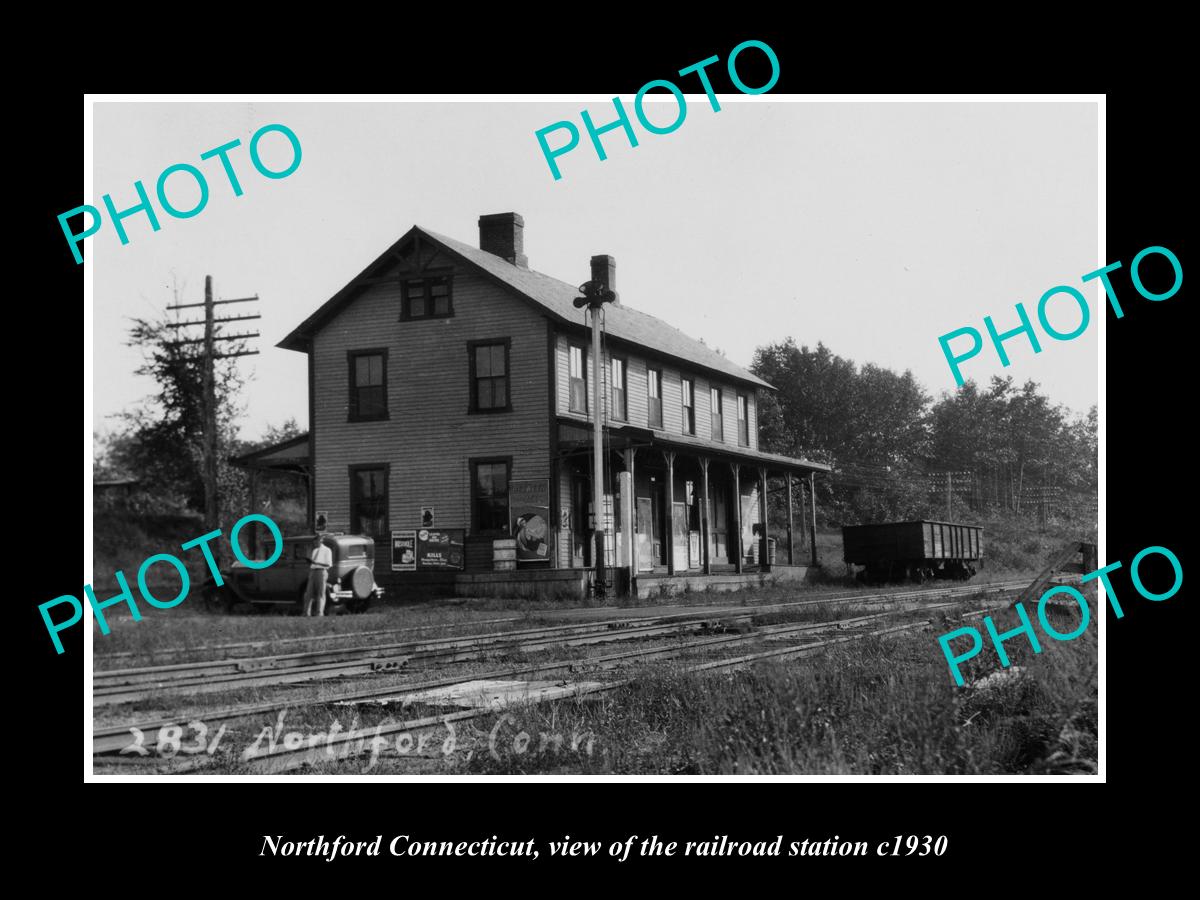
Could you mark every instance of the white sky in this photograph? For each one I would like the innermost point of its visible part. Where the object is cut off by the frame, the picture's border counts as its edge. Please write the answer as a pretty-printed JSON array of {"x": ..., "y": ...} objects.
[{"x": 872, "y": 227}]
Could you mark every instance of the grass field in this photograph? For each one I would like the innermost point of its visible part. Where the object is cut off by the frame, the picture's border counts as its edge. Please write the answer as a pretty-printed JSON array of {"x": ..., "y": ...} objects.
[{"x": 877, "y": 706}]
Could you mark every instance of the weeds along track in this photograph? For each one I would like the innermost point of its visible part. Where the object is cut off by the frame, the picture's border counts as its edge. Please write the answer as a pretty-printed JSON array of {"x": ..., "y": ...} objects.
[
  {"x": 335, "y": 637},
  {"x": 332, "y": 637},
  {"x": 281, "y": 758},
  {"x": 112, "y": 738},
  {"x": 114, "y": 686}
]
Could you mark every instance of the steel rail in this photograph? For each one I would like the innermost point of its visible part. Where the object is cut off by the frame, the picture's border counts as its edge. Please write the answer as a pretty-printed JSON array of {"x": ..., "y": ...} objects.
[
  {"x": 123, "y": 686},
  {"x": 835, "y": 597},
  {"x": 192, "y": 670},
  {"x": 283, "y": 759},
  {"x": 113, "y": 738},
  {"x": 299, "y": 639}
]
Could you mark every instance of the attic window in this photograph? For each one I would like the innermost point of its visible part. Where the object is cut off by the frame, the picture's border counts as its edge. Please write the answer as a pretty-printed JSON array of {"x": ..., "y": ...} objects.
[{"x": 426, "y": 298}]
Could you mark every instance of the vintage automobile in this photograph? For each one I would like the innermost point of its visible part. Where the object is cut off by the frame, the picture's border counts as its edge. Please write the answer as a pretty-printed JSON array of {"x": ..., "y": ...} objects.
[{"x": 351, "y": 580}]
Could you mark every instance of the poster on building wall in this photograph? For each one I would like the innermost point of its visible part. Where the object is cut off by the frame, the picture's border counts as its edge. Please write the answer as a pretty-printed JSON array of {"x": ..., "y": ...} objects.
[
  {"x": 529, "y": 508},
  {"x": 442, "y": 549},
  {"x": 404, "y": 551}
]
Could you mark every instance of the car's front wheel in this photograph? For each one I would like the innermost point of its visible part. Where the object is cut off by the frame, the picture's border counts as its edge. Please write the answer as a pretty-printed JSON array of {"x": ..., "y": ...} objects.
[{"x": 218, "y": 599}]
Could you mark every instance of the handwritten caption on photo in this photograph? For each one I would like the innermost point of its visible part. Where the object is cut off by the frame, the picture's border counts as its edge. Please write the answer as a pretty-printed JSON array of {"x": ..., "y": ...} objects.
[{"x": 507, "y": 739}]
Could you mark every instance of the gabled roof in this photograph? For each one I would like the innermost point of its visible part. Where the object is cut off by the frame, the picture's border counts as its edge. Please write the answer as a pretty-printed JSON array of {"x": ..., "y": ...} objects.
[{"x": 551, "y": 296}]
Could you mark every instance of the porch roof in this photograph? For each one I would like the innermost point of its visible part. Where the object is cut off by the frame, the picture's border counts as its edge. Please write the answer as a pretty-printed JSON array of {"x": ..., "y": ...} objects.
[
  {"x": 291, "y": 455},
  {"x": 574, "y": 435}
]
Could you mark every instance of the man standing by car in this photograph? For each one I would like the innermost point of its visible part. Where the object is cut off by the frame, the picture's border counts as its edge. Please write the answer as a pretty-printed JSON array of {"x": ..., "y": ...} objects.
[{"x": 321, "y": 559}]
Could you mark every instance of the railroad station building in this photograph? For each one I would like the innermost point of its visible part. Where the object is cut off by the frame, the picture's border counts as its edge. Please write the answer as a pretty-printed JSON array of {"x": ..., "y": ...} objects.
[{"x": 450, "y": 417}]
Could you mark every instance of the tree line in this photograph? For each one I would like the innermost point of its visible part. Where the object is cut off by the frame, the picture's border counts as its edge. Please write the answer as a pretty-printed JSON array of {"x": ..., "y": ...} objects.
[
  {"x": 1007, "y": 446},
  {"x": 158, "y": 442}
]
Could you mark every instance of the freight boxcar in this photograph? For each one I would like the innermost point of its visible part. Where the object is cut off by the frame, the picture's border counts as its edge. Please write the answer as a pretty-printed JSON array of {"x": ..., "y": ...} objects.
[{"x": 913, "y": 551}]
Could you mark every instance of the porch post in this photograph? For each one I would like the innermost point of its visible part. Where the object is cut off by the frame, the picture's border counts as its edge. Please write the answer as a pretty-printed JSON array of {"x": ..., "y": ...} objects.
[
  {"x": 812, "y": 491},
  {"x": 705, "y": 525},
  {"x": 764, "y": 561},
  {"x": 669, "y": 455},
  {"x": 553, "y": 522},
  {"x": 629, "y": 514},
  {"x": 739, "y": 554},
  {"x": 791, "y": 543}
]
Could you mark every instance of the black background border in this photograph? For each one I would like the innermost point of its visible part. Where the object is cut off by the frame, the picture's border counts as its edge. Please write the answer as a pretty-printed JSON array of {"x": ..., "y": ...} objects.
[{"x": 1146, "y": 437}]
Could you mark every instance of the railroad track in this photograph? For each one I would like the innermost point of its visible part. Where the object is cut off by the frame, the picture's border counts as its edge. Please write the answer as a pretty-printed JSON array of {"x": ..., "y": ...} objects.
[
  {"x": 127, "y": 685},
  {"x": 330, "y": 637},
  {"x": 343, "y": 746},
  {"x": 113, "y": 738},
  {"x": 301, "y": 639}
]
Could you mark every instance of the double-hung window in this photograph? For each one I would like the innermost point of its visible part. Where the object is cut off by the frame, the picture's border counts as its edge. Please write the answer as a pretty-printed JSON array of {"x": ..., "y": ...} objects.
[
  {"x": 368, "y": 385},
  {"x": 577, "y": 378},
  {"x": 489, "y": 495},
  {"x": 620, "y": 410},
  {"x": 689, "y": 406},
  {"x": 369, "y": 501},
  {"x": 654, "y": 398},
  {"x": 488, "y": 362}
]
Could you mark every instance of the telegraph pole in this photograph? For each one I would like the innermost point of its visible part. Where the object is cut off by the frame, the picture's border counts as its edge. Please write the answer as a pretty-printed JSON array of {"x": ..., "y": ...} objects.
[
  {"x": 932, "y": 487},
  {"x": 212, "y": 506},
  {"x": 595, "y": 295}
]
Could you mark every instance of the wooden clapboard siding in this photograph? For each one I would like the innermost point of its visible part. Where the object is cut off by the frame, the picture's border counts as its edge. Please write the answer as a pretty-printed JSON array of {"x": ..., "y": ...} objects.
[
  {"x": 429, "y": 435},
  {"x": 672, "y": 398},
  {"x": 563, "y": 367},
  {"x": 636, "y": 380},
  {"x": 635, "y": 391}
]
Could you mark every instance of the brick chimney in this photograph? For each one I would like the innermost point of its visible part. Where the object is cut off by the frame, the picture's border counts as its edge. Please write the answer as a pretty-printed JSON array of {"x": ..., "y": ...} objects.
[
  {"x": 503, "y": 234},
  {"x": 604, "y": 270}
]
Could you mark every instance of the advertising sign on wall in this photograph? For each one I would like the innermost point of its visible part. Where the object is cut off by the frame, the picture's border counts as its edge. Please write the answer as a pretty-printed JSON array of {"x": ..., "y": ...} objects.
[
  {"x": 529, "y": 509},
  {"x": 441, "y": 549},
  {"x": 404, "y": 551}
]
